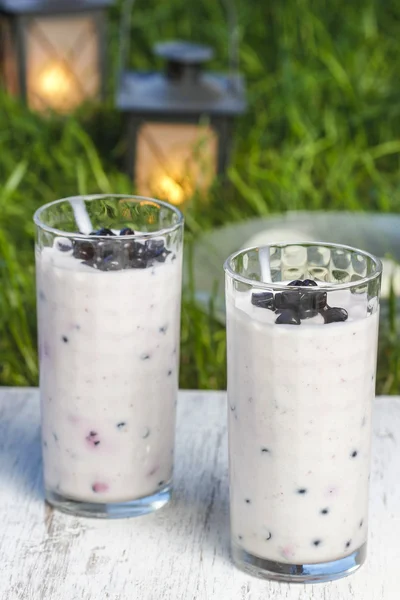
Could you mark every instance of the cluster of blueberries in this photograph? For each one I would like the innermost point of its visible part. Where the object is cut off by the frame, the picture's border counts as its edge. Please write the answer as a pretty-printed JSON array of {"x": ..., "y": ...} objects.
[
  {"x": 292, "y": 306},
  {"x": 115, "y": 254}
]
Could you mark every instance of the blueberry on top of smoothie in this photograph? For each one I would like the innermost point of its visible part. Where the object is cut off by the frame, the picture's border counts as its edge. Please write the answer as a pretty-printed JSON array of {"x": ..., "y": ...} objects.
[
  {"x": 153, "y": 248},
  {"x": 334, "y": 315},
  {"x": 263, "y": 300},
  {"x": 137, "y": 262},
  {"x": 83, "y": 250},
  {"x": 297, "y": 305},
  {"x": 296, "y": 282},
  {"x": 63, "y": 244},
  {"x": 162, "y": 256},
  {"x": 290, "y": 300},
  {"x": 126, "y": 231},
  {"x": 288, "y": 317},
  {"x": 102, "y": 231}
]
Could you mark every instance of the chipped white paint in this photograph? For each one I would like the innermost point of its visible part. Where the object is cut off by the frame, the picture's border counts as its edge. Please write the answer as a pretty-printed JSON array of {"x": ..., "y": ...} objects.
[{"x": 181, "y": 553}]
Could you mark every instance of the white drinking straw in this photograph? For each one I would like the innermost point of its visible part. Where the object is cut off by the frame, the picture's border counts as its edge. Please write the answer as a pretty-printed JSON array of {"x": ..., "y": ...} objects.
[
  {"x": 81, "y": 215},
  {"x": 265, "y": 265}
]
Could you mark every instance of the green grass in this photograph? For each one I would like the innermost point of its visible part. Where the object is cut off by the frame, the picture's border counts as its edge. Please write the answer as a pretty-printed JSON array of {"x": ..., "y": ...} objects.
[{"x": 322, "y": 132}]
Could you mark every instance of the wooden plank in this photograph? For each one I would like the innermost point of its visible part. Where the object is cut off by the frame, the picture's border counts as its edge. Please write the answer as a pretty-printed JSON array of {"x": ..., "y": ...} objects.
[{"x": 182, "y": 552}]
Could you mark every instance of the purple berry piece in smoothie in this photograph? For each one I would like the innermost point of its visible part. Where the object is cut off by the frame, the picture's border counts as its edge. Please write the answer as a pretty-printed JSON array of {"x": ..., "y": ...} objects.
[
  {"x": 153, "y": 471},
  {"x": 99, "y": 487},
  {"x": 93, "y": 439}
]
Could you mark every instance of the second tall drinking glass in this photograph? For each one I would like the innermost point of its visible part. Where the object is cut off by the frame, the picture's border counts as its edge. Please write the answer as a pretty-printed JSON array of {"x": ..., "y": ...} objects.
[
  {"x": 302, "y": 323},
  {"x": 108, "y": 293}
]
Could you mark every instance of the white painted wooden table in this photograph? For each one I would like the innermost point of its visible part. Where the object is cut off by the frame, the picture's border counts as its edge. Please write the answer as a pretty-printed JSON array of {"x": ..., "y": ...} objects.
[{"x": 182, "y": 552}]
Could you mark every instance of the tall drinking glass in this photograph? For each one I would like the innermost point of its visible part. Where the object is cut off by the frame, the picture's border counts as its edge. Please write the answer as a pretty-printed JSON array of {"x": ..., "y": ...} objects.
[
  {"x": 302, "y": 326},
  {"x": 108, "y": 295}
]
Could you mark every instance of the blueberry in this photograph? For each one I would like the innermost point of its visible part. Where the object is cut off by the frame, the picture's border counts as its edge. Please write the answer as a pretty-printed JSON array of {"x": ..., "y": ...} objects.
[
  {"x": 90, "y": 263},
  {"x": 138, "y": 263},
  {"x": 135, "y": 255},
  {"x": 102, "y": 231},
  {"x": 154, "y": 248},
  {"x": 105, "y": 250},
  {"x": 310, "y": 283},
  {"x": 162, "y": 257},
  {"x": 320, "y": 300},
  {"x": 136, "y": 250},
  {"x": 109, "y": 263},
  {"x": 288, "y": 317},
  {"x": 296, "y": 282},
  {"x": 334, "y": 315},
  {"x": 83, "y": 250},
  {"x": 263, "y": 300},
  {"x": 285, "y": 300},
  {"x": 313, "y": 300},
  {"x": 63, "y": 244},
  {"x": 126, "y": 231}
]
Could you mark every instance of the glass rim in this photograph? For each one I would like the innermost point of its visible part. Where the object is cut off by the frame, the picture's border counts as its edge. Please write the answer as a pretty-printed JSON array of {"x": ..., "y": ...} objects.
[
  {"x": 325, "y": 287},
  {"x": 91, "y": 197}
]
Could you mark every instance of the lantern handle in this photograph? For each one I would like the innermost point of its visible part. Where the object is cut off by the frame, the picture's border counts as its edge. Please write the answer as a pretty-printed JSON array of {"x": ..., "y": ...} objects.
[
  {"x": 125, "y": 38},
  {"x": 233, "y": 40},
  {"x": 233, "y": 35}
]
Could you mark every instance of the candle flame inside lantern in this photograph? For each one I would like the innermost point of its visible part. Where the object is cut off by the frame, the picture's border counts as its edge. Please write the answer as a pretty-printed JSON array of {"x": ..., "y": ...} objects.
[
  {"x": 54, "y": 85},
  {"x": 167, "y": 187}
]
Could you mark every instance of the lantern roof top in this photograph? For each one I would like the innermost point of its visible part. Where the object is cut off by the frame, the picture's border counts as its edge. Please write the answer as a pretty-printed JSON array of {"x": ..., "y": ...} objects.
[
  {"x": 184, "y": 52},
  {"x": 184, "y": 88},
  {"x": 47, "y": 7},
  {"x": 155, "y": 93}
]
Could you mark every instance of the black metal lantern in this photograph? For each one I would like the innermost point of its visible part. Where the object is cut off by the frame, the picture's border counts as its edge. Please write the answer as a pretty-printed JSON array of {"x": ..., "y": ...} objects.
[
  {"x": 179, "y": 122},
  {"x": 52, "y": 52}
]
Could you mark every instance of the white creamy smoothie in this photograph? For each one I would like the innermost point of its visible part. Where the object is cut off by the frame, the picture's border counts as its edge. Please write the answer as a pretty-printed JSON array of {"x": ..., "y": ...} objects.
[
  {"x": 300, "y": 400},
  {"x": 109, "y": 353}
]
